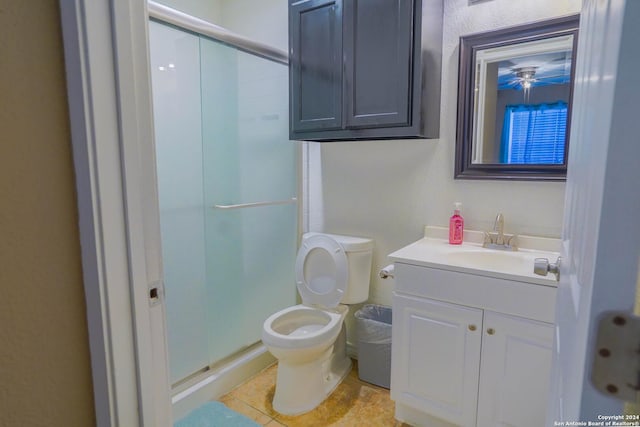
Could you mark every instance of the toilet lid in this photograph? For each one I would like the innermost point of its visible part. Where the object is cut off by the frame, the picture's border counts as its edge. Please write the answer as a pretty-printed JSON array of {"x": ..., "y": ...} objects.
[{"x": 321, "y": 271}]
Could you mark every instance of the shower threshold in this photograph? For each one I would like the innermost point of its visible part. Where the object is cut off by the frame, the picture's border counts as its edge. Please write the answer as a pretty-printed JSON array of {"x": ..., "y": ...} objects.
[{"x": 217, "y": 380}]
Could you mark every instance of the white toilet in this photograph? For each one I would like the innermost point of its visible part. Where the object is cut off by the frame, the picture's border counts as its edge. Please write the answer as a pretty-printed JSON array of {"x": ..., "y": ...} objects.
[{"x": 309, "y": 340}]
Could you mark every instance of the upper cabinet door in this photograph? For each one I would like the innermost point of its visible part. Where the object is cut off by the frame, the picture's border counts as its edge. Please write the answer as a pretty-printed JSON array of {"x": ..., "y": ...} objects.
[
  {"x": 378, "y": 62},
  {"x": 315, "y": 44},
  {"x": 383, "y": 82}
]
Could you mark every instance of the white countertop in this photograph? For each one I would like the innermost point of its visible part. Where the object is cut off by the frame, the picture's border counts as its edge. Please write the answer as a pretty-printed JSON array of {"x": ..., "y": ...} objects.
[{"x": 470, "y": 257}]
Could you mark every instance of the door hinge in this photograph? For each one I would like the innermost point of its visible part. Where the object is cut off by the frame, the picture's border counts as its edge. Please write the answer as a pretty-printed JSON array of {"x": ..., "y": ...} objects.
[
  {"x": 616, "y": 362},
  {"x": 156, "y": 293}
]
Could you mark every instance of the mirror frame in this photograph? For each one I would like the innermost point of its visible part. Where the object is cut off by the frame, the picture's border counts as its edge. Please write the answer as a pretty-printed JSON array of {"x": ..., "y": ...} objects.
[{"x": 469, "y": 46}]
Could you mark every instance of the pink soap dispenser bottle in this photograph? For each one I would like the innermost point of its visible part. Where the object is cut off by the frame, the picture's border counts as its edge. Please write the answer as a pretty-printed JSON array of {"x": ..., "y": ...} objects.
[{"x": 456, "y": 226}]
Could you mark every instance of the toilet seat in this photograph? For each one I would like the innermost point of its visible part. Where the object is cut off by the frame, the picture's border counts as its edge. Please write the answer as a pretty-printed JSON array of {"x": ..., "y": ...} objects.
[{"x": 321, "y": 271}]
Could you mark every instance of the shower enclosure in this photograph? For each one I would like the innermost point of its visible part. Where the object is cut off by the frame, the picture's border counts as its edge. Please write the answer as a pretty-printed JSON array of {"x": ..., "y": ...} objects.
[{"x": 227, "y": 191}]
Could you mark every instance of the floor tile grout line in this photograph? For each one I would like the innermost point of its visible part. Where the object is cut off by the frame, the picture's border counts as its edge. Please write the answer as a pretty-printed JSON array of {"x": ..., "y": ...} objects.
[
  {"x": 374, "y": 387},
  {"x": 271, "y": 418},
  {"x": 268, "y": 415}
]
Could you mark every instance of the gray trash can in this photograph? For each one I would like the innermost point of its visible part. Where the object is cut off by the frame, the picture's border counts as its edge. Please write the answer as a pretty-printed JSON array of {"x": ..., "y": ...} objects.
[{"x": 373, "y": 326}]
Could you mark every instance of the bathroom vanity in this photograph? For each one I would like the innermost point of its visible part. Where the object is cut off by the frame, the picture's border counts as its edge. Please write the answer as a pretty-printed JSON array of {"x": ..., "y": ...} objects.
[{"x": 472, "y": 332}]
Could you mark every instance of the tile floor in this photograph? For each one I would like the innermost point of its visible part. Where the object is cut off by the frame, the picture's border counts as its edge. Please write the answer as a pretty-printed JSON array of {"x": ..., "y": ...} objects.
[{"x": 353, "y": 404}]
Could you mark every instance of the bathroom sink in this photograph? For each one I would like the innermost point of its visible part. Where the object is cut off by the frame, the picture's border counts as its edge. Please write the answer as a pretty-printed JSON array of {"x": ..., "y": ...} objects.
[{"x": 435, "y": 251}]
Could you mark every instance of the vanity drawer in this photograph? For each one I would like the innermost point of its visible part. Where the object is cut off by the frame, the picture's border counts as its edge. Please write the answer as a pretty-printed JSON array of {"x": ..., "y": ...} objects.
[{"x": 523, "y": 299}]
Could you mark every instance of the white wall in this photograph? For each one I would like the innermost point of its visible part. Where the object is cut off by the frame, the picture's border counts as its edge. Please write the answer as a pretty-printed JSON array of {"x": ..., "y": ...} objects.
[
  {"x": 261, "y": 20},
  {"x": 209, "y": 10},
  {"x": 389, "y": 190}
]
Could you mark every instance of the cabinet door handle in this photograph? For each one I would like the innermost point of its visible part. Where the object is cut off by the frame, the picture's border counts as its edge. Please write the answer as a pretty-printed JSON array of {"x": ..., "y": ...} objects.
[
  {"x": 491, "y": 331},
  {"x": 472, "y": 327}
]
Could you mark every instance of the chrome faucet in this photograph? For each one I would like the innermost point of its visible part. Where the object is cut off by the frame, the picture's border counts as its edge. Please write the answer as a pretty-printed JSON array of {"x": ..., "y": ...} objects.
[
  {"x": 497, "y": 239},
  {"x": 498, "y": 227}
]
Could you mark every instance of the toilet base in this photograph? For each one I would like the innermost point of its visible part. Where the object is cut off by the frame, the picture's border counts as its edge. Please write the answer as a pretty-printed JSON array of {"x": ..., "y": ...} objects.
[{"x": 302, "y": 387}]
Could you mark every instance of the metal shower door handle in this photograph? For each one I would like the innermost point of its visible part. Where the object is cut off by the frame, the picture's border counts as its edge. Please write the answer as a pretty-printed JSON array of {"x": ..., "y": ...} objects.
[{"x": 257, "y": 204}]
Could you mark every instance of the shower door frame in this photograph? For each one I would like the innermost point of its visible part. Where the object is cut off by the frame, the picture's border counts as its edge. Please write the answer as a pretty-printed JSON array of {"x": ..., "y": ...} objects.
[{"x": 109, "y": 96}]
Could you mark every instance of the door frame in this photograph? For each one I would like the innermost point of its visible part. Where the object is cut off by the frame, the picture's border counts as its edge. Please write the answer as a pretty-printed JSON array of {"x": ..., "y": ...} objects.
[
  {"x": 601, "y": 237},
  {"x": 108, "y": 86}
]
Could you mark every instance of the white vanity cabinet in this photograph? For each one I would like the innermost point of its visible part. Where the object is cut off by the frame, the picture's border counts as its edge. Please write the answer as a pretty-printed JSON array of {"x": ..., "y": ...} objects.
[{"x": 470, "y": 350}]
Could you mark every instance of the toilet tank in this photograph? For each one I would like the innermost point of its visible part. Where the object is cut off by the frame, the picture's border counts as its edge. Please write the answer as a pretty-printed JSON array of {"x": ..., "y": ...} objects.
[{"x": 359, "y": 252}]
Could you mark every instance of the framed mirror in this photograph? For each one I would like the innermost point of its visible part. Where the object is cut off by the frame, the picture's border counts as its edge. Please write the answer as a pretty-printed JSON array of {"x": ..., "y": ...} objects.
[{"x": 515, "y": 89}]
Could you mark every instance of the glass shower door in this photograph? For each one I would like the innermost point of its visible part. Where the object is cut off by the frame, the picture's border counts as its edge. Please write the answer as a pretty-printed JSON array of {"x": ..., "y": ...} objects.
[
  {"x": 227, "y": 191},
  {"x": 175, "y": 72},
  {"x": 250, "y": 194}
]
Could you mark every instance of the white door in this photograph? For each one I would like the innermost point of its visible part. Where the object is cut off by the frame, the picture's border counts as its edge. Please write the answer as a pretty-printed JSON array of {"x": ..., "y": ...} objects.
[{"x": 601, "y": 232}]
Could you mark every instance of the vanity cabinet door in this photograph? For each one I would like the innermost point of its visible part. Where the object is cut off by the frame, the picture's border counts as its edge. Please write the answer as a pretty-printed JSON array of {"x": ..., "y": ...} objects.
[
  {"x": 315, "y": 68},
  {"x": 436, "y": 357},
  {"x": 515, "y": 371}
]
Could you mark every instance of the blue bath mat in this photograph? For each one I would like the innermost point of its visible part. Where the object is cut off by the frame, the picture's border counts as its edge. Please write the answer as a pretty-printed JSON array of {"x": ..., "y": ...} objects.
[{"x": 214, "y": 414}]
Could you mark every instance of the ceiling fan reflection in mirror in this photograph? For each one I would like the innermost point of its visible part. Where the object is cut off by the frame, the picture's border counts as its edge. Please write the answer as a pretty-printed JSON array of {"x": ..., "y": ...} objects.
[
  {"x": 525, "y": 73},
  {"x": 524, "y": 77}
]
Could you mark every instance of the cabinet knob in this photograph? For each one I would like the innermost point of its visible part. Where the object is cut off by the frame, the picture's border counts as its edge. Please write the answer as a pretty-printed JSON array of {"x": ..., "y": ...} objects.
[
  {"x": 491, "y": 331},
  {"x": 472, "y": 327}
]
